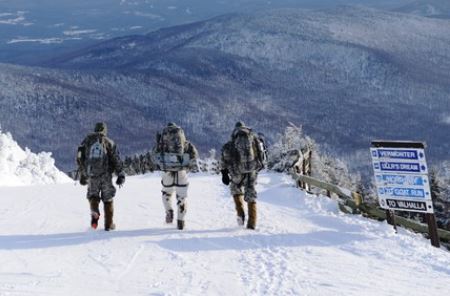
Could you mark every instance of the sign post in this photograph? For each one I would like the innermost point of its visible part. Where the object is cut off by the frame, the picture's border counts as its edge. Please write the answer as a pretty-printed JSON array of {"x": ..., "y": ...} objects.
[{"x": 401, "y": 177}]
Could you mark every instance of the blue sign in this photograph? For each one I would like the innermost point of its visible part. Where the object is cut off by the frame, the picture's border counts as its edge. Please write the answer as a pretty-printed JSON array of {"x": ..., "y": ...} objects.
[
  {"x": 402, "y": 167},
  {"x": 401, "y": 176},
  {"x": 403, "y": 192},
  {"x": 402, "y": 180},
  {"x": 399, "y": 154}
]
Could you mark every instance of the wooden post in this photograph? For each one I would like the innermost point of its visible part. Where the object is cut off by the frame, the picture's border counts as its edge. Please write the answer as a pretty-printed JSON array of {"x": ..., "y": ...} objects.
[
  {"x": 432, "y": 230},
  {"x": 357, "y": 198},
  {"x": 390, "y": 219}
]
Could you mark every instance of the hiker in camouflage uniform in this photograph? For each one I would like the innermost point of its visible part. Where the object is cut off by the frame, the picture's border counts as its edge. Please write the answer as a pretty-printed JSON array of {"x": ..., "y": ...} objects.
[
  {"x": 241, "y": 160},
  {"x": 175, "y": 157},
  {"x": 97, "y": 159}
]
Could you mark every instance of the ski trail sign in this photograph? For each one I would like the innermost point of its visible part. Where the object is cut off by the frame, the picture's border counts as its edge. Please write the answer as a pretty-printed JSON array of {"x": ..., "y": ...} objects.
[{"x": 401, "y": 176}]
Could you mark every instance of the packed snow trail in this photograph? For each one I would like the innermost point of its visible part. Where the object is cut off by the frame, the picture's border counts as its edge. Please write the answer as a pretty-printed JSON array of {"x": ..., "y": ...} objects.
[{"x": 302, "y": 246}]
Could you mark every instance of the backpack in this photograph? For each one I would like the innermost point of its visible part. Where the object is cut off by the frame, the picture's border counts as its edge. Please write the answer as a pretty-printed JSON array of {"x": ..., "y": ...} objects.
[
  {"x": 172, "y": 140},
  {"x": 170, "y": 154},
  {"x": 247, "y": 151},
  {"x": 96, "y": 157}
]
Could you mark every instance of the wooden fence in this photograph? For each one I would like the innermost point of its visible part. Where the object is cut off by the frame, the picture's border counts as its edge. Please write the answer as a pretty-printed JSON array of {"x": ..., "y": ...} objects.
[{"x": 351, "y": 202}]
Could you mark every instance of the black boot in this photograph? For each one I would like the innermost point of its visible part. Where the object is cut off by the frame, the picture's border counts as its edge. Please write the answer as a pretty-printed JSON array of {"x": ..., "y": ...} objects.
[{"x": 180, "y": 224}]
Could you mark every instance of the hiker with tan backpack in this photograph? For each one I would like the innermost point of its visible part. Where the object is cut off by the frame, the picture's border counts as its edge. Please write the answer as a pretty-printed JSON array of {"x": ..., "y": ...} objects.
[
  {"x": 241, "y": 160},
  {"x": 175, "y": 157}
]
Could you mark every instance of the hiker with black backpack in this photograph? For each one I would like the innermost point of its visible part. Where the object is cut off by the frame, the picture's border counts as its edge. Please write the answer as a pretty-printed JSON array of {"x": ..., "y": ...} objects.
[
  {"x": 175, "y": 157},
  {"x": 97, "y": 159},
  {"x": 241, "y": 160}
]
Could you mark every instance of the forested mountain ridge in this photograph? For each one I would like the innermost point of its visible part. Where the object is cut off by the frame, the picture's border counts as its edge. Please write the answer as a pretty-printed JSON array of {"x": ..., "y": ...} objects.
[{"x": 347, "y": 75}]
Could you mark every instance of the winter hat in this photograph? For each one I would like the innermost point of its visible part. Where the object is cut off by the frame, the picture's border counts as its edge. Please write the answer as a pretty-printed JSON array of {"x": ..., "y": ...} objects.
[
  {"x": 100, "y": 127},
  {"x": 239, "y": 124}
]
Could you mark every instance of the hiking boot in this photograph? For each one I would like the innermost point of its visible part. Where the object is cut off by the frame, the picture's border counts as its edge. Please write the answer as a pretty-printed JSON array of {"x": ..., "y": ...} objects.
[
  {"x": 240, "y": 220},
  {"x": 109, "y": 213},
  {"x": 169, "y": 216},
  {"x": 251, "y": 224},
  {"x": 110, "y": 227},
  {"x": 239, "y": 205},
  {"x": 95, "y": 212},
  {"x": 94, "y": 220},
  {"x": 180, "y": 224}
]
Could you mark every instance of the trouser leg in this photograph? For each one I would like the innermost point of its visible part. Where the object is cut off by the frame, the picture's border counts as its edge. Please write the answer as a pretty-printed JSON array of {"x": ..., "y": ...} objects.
[
  {"x": 182, "y": 207},
  {"x": 181, "y": 186},
  {"x": 94, "y": 205},
  {"x": 181, "y": 203},
  {"x": 167, "y": 202},
  {"x": 249, "y": 184},
  {"x": 168, "y": 181}
]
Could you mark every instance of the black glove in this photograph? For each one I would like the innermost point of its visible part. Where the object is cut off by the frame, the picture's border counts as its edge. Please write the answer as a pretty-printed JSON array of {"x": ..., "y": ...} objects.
[
  {"x": 225, "y": 177},
  {"x": 83, "y": 180},
  {"x": 120, "y": 179}
]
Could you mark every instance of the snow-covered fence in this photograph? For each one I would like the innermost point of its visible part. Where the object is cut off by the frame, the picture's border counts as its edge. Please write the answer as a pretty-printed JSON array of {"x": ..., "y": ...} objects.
[
  {"x": 303, "y": 167},
  {"x": 301, "y": 172},
  {"x": 352, "y": 202}
]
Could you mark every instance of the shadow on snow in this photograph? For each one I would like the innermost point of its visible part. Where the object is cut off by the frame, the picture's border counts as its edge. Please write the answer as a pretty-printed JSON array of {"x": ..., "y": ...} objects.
[
  {"x": 260, "y": 241},
  {"x": 231, "y": 242}
]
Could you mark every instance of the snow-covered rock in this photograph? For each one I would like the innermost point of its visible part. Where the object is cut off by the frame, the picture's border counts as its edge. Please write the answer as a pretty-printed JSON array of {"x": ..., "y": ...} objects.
[{"x": 23, "y": 167}]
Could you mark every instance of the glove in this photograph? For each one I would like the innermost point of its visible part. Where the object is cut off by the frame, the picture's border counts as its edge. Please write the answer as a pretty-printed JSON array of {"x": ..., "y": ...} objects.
[
  {"x": 120, "y": 179},
  {"x": 225, "y": 177},
  {"x": 83, "y": 180},
  {"x": 193, "y": 167}
]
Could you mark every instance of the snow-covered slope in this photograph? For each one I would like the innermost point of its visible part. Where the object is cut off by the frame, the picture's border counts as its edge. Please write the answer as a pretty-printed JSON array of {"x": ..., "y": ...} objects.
[
  {"x": 303, "y": 246},
  {"x": 22, "y": 167}
]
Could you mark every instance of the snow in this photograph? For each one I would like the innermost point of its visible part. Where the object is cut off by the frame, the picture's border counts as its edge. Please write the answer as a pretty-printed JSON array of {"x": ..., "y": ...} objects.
[
  {"x": 22, "y": 167},
  {"x": 78, "y": 32},
  {"x": 12, "y": 19},
  {"x": 303, "y": 245},
  {"x": 37, "y": 40}
]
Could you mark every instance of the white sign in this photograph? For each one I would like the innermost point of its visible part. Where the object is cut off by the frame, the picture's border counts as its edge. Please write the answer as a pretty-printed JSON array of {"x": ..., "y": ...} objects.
[{"x": 401, "y": 176}]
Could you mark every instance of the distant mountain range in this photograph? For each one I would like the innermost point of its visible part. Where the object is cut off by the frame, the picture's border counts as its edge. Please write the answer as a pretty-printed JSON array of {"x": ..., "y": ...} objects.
[
  {"x": 430, "y": 8},
  {"x": 348, "y": 75},
  {"x": 34, "y": 30}
]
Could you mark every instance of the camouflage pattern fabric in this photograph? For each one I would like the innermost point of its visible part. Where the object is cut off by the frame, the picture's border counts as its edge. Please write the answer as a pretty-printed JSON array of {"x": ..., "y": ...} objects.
[
  {"x": 190, "y": 165},
  {"x": 172, "y": 139},
  {"x": 114, "y": 164},
  {"x": 101, "y": 188},
  {"x": 175, "y": 182},
  {"x": 193, "y": 155},
  {"x": 230, "y": 156},
  {"x": 244, "y": 184}
]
